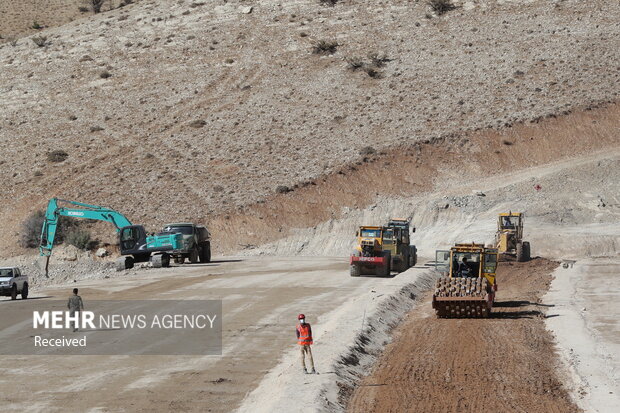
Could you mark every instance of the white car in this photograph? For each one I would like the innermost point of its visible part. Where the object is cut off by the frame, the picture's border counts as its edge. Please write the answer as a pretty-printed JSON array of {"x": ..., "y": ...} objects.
[{"x": 13, "y": 282}]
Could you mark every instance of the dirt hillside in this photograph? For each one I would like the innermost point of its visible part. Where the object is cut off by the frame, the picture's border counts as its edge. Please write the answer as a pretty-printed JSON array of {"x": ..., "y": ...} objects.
[
  {"x": 177, "y": 110},
  {"x": 506, "y": 363}
]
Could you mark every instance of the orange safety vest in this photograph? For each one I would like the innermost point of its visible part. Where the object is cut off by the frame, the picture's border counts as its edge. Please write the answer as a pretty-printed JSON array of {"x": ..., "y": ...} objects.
[{"x": 305, "y": 334}]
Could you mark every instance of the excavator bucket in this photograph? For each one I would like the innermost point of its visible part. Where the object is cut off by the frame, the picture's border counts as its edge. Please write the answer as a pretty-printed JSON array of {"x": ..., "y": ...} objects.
[{"x": 461, "y": 298}]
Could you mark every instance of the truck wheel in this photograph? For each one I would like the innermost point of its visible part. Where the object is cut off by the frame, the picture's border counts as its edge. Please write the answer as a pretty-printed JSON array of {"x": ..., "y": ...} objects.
[
  {"x": 14, "y": 292},
  {"x": 520, "y": 252},
  {"x": 205, "y": 253},
  {"x": 25, "y": 291},
  {"x": 179, "y": 259},
  {"x": 165, "y": 260},
  {"x": 355, "y": 270},
  {"x": 193, "y": 256}
]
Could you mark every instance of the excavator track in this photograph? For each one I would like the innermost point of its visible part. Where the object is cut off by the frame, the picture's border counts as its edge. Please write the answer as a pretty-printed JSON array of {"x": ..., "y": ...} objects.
[{"x": 461, "y": 298}]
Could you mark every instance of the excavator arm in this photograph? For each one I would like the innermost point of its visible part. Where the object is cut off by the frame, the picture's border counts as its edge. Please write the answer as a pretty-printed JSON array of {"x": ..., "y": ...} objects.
[{"x": 86, "y": 211}]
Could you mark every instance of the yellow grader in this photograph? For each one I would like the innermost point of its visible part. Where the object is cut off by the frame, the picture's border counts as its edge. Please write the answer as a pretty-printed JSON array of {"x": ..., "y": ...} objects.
[
  {"x": 468, "y": 285},
  {"x": 509, "y": 236},
  {"x": 369, "y": 256}
]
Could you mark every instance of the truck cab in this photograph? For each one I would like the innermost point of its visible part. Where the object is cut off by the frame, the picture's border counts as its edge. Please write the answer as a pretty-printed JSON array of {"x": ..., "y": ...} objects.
[
  {"x": 13, "y": 282},
  {"x": 195, "y": 242}
]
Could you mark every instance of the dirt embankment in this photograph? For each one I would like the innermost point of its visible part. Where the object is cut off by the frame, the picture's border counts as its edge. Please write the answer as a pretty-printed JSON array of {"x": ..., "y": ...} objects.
[
  {"x": 505, "y": 364},
  {"x": 420, "y": 168}
]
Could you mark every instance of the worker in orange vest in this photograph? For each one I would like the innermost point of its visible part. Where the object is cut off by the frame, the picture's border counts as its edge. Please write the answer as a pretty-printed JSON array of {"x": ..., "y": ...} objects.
[{"x": 304, "y": 339}]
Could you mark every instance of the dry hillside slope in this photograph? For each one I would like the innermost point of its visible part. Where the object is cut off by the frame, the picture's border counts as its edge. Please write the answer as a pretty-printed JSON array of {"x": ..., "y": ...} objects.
[{"x": 175, "y": 110}]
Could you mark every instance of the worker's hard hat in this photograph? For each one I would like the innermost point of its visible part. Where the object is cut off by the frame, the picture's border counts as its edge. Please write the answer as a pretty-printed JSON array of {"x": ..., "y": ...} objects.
[{"x": 301, "y": 317}]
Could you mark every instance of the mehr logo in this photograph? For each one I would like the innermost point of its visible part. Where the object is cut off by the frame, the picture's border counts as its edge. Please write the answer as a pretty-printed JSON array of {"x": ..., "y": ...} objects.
[{"x": 87, "y": 319}]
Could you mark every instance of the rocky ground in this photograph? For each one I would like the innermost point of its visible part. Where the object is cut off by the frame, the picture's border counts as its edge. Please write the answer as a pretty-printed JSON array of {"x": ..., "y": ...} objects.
[{"x": 175, "y": 110}]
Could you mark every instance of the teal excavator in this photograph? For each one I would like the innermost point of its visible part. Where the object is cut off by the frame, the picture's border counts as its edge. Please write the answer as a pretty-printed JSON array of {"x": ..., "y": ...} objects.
[{"x": 135, "y": 244}]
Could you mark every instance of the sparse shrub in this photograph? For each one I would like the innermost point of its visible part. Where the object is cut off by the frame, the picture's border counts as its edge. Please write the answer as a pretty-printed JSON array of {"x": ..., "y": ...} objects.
[
  {"x": 197, "y": 123},
  {"x": 57, "y": 156},
  {"x": 354, "y": 63},
  {"x": 38, "y": 173},
  {"x": 105, "y": 74},
  {"x": 40, "y": 41},
  {"x": 79, "y": 238},
  {"x": 329, "y": 2},
  {"x": 282, "y": 189},
  {"x": 30, "y": 234},
  {"x": 36, "y": 26},
  {"x": 367, "y": 150},
  {"x": 94, "y": 5},
  {"x": 441, "y": 6},
  {"x": 372, "y": 72},
  {"x": 325, "y": 47},
  {"x": 378, "y": 60},
  {"x": 83, "y": 9}
]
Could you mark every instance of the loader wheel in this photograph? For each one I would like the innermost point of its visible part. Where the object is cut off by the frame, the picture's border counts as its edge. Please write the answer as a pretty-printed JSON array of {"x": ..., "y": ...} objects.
[
  {"x": 355, "y": 270},
  {"x": 25, "y": 291},
  {"x": 384, "y": 271},
  {"x": 413, "y": 256},
  {"x": 526, "y": 251},
  {"x": 14, "y": 292},
  {"x": 193, "y": 256}
]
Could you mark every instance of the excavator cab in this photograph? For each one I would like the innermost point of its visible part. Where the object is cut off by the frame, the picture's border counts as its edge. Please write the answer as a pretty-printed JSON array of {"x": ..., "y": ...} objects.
[{"x": 132, "y": 239}]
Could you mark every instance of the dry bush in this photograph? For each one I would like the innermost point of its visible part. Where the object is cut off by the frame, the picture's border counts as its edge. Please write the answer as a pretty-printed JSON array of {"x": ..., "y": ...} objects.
[
  {"x": 40, "y": 41},
  {"x": 325, "y": 47},
  {"x": 79, "y": 238},
  {"x": 57, "y": 156},
  {"x": 354, "y": 63},
  {"x": 441, "y": 6},
  {"x": 30, "y": 233},
  {"x": 378, "y": 60},
  {"x": 94, "y": 5}
]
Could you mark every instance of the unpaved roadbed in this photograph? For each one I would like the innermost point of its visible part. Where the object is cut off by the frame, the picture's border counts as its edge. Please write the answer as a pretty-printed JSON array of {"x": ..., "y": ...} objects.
[{"x": 507, "y": 363}]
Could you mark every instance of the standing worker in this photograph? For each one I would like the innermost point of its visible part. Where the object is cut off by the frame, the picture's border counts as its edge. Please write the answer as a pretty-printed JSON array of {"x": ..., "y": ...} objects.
[
  {"x": 74, "y": 305},
  {"x": 304, "y": 339}
]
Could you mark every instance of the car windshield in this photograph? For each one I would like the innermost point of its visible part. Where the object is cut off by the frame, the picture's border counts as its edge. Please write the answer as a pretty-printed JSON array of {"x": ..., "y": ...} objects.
[
  {"x": 6, "y": 272},
  {"x": 183, "y": 229},
  {"x": 374, "y": 233}
]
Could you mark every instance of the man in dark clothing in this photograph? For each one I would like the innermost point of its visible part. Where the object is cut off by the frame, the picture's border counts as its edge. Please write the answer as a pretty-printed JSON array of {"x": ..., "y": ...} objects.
[{"x": 74, "y": 305}]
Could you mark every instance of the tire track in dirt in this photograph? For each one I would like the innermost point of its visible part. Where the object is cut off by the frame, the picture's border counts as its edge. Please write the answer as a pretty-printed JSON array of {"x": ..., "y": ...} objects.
[{"x": 506, "y": 363}]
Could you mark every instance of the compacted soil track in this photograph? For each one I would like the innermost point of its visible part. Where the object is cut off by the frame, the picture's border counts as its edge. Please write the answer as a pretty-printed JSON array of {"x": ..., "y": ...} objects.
[{"x": 506, "y": 363}]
